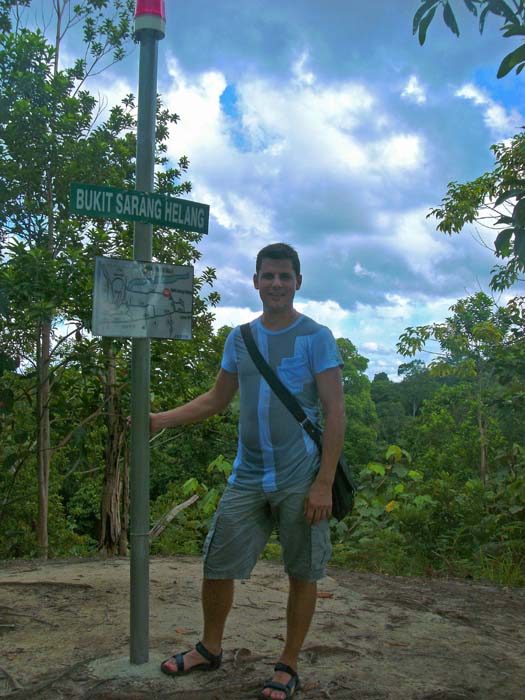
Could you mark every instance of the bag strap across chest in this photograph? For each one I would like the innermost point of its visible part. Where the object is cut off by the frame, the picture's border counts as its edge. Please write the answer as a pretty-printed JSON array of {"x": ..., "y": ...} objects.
[{"x": 279, "y": 389}]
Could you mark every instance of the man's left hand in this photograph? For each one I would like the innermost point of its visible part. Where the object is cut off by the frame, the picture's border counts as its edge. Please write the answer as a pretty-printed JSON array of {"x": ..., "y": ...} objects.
[{"x": 318, "y": 503}]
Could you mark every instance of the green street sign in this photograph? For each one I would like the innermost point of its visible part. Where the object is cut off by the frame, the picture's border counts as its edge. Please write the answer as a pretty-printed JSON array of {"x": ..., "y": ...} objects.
[{"x": 130, "y": 205}]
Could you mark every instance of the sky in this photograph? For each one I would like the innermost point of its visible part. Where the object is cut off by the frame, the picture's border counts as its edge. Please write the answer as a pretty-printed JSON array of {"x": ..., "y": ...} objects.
[{"x": 324, "y": 124}]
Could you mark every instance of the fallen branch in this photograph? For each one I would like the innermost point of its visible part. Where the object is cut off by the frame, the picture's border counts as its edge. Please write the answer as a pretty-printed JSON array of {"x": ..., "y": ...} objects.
[
  {"x": 10, "y": 613},
  {"x": 161, "y": 524},
  {"x": 15, "y": 685},
  {"x": 22, "y": 693},
  {"x": 52, "y": 584}
]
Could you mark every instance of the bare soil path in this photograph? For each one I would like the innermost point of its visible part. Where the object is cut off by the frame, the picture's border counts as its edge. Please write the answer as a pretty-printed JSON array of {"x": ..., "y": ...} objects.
[{"x": 64, "y": 635}]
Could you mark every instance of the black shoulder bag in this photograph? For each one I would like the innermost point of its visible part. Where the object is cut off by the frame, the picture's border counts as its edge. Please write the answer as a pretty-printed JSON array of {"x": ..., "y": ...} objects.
[{"x": 343, "y": 489}]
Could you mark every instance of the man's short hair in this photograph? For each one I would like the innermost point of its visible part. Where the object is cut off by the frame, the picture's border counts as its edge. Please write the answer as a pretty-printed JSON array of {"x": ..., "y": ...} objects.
[{"x": 278, "y": 251}]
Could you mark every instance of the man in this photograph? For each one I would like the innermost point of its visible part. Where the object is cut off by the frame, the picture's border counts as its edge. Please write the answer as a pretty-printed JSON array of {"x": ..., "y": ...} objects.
[{"x": 278, "y": 477}]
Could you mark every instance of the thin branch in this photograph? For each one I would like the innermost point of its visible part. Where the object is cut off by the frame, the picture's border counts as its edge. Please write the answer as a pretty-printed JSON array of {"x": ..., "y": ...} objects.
[
  {"x": 157, "y": 435},
  {"x": 86, "y": 420},
  {"x": 67, "y": 438},
  {"x": 161, "y": 524},
  {"x": 85, "y": 471},
  {"x": 72, "y": 20}
]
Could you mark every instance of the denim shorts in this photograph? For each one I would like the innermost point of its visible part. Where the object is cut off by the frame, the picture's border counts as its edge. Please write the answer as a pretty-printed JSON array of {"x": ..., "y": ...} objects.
[{"x": 243, "y": 524}]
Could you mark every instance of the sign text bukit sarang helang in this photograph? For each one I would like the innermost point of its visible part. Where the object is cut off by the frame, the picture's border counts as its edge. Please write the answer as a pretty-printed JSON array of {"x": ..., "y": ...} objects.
[{"x": 130, "y": 205}]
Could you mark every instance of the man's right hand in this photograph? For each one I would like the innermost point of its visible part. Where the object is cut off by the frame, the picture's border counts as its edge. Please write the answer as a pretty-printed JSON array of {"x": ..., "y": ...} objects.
[{"x": 153, "y": 423}]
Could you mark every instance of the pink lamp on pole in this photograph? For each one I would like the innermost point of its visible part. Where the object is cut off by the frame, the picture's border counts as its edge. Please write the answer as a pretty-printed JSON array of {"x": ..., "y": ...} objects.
[{"x": 150, "y": 14}]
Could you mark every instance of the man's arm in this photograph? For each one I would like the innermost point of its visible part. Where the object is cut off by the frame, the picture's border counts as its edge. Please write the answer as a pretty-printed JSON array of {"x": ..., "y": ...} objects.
[
  {"x": 204, "y": 406},
  {"x": 318, "y": 505}
]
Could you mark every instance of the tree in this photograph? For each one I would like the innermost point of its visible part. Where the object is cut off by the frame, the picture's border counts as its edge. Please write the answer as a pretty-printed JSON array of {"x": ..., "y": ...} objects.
[
  {"x": 468, "y": 341},
  {"x": 444, "y": 437},
  {"x": 45, "y": 118},
  {"x": 361, "y": 418},
  {"x": 488, "y": 201},
  {"x": 496, "y": 199},
  {"x": 416, "y": 387},
  {"x": 392, "y": 419},
  {"x": 506, "y": 184},
  {"x": 48, "y": 139}
]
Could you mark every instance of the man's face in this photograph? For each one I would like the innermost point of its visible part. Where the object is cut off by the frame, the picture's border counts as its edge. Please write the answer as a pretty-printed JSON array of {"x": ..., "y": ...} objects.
[{"x": 277, "y": 284}]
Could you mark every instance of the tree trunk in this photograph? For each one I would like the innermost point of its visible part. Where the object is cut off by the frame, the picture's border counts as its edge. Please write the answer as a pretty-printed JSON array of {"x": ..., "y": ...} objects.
[
  {"x": 123, "y": 542},
  {"x": 110, "y": 522},
  {"x": 43, "y": 392},
  {"x": 482, "y": 435},
  {"x": 43, "y": 442},
  {"x": 483, "y": 448}
]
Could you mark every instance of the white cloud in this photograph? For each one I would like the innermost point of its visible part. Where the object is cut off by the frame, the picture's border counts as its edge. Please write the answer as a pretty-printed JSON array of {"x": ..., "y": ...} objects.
[
  {"x": 500, "y": 122},
  {"x": 399, "y": 152},
  {"x": 414, "y": 91},
  {"x": 361, "y": 271},
  {"x": 302, "y": 75},
  {"x": 471, "y": 92},
  {"x": 279, "y": 140},
  {"x": 375, "y": 330},
  {"x": 111, "y": 90},
  {"x": 317, "y": 124},
  {"x": 201, "y": 131},
  {"x": 251, "y": 218},
  {"x": 203, "y": 135},
  {"x": 234, "y": 275},
  {"x": 414, "y": 236},
  {"x": 310, "y": 123},
  {"x": 232, "y": 316},
  {"x": 328, "y": 313}
]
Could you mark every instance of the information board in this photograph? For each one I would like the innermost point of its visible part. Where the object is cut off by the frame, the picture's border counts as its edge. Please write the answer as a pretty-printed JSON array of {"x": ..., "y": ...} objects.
[{"x": 133, "y": 299}]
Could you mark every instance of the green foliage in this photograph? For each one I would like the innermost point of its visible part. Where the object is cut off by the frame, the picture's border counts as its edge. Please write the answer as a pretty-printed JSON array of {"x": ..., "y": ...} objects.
[
  {"x": 446, "y": 436},
  {"x": 505, "y": 184},
  {"x": 513, "y": 24},
  {"x": 48, "y": 140},
  {"x": 51, "y": 135},
  {"x": 473, "y": 332},
  {"x": 470, "y": 341},
  {"x": 420, "y": 506},
  {"x": 361, "y": 418},
  {"x": 186, "y": 534},
  {"x": 497, "y": 195},
  {"x": 392, "y": 418},
  {"x": 418, "y": 385},
  {"x": 408, "y": 521}
]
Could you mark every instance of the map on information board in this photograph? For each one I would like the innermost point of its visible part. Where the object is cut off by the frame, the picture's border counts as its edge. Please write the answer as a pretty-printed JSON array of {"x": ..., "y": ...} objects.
[{"x": 133, "y": 299}]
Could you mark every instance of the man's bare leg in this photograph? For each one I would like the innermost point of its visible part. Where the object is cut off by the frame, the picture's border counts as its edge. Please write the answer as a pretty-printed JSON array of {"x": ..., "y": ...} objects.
[
  {"x": 302, "y": 598},
  {"x": 217, "y": 599}
]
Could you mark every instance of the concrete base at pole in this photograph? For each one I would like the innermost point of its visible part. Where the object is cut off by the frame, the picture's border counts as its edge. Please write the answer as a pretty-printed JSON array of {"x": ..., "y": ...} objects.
[{"x": 116, "y": 667}]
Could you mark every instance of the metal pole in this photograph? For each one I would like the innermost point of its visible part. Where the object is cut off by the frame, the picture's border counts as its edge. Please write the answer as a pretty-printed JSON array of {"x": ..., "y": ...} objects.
[{"x": 140, "y": 363}]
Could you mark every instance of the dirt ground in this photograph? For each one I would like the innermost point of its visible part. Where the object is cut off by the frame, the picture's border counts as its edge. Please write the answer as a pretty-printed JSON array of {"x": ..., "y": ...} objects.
[{"x": 64, "y": 633}]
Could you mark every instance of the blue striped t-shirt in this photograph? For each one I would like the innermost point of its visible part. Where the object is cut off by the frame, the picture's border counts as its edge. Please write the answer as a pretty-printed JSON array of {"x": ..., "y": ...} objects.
[{"x": 274, "y": 452}]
